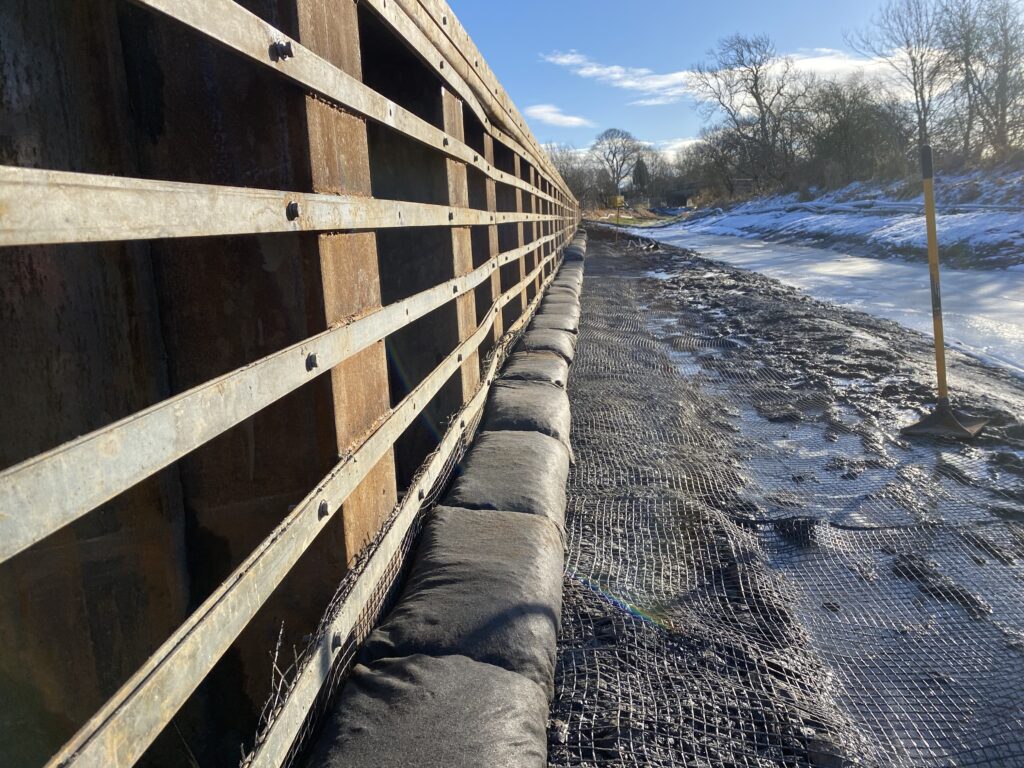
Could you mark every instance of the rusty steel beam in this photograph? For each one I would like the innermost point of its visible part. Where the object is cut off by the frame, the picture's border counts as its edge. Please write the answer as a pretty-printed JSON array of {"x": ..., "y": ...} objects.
[
  {"x": 232, "y": 26},
  {"x": 276, "y": 743},
  {"x": 415, "y": 27},
  {"x": 49, "y": 491},
  {"x": 130, "y": 721}
]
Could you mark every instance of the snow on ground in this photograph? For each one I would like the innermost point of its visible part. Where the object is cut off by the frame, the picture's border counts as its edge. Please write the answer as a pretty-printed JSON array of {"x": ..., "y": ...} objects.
[
  {"x": 983, "y": 308},
  {"x": 981, "y": 218}
]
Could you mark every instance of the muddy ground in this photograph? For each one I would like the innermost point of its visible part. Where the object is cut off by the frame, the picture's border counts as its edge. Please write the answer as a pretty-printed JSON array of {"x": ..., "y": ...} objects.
[{"x": 760, "y": 570}]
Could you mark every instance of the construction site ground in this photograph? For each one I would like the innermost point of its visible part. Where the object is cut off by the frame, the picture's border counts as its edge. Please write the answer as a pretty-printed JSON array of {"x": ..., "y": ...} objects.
[{"x": 760, "y": 570}]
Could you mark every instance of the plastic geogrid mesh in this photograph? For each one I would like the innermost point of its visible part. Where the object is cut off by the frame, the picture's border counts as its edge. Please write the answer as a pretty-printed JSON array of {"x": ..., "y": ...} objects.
[{"x": 760, "y": 571}]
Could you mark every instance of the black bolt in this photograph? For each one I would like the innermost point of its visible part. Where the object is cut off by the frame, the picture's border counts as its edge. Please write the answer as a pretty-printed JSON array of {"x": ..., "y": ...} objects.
[
  {"x": 279, "y": 51},
  {"x": 311, "y": 361},
  {"x": 324, "y": 509},
  {"x": 292, "y": 211}
]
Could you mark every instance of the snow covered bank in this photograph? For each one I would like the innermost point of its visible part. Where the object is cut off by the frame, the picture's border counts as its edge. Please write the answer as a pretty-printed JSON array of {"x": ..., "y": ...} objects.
[
  {"x": 983, "y": 309},
  {"x": 981, "y": 219}
]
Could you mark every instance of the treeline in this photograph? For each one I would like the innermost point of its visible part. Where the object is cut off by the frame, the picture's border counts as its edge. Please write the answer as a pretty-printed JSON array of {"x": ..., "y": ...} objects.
[
  {"x": 616, "y": 163},
  {"x": 955, "y": 80}
]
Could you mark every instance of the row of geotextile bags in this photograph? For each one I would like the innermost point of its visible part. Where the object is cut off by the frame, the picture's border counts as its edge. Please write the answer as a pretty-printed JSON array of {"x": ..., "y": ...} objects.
[{"x": 461, "y": 671}]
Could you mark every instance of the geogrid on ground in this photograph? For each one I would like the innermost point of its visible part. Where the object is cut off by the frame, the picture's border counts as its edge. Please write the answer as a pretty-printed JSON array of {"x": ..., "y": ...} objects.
[{"x": 760, "y": 570}]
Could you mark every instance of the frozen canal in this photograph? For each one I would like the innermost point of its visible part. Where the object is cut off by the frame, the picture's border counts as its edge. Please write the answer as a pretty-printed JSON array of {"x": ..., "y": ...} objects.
[{"x": 983, "y": 309}]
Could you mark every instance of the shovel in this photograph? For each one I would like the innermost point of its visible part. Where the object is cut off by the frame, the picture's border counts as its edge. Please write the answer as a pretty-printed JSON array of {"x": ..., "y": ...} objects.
[{"x": 944, "y": 421}]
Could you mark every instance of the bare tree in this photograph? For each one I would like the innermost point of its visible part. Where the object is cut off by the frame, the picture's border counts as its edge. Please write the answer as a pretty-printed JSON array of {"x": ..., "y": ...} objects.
[
  {"x": 759, "y": 94},
  {"x": 961, "y": 36},
  {"x": 854, "y": 130},
  {"x": 906, "y": 35},
  {"x": 616, "y": 151},
  {"x": 999, "y": 79},
  {"x": 577, "y": 170}
]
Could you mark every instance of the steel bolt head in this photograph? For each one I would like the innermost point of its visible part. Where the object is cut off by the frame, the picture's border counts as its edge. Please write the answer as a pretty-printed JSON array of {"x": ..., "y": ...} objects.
[
  {"x": 281, "y": 50},
  {"x": 292, "y": 210},
  {"x": 311, "y": 361},
  {"x": 324, "y": 509}
]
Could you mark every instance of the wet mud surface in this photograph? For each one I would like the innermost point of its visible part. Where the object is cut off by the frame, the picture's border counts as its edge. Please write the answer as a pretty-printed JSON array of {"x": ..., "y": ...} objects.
[{"x": 760, "y": 570}]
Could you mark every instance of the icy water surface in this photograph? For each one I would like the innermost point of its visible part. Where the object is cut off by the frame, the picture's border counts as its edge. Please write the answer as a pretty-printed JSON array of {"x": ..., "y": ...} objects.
[{"x": 983, "y": 308}]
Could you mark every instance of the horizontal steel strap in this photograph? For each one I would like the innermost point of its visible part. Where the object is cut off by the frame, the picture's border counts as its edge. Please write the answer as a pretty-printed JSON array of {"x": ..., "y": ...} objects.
[
  {"x": 278, "y": 740},
  {"x": 234, "y": 27},
  {"x": 49, "y": 491},
  {"x": 410, "y": 31},
  {"x": 38, "y": 206},
  {"x": 441, "y": 28},
  {"x": 129, "y": 722}
]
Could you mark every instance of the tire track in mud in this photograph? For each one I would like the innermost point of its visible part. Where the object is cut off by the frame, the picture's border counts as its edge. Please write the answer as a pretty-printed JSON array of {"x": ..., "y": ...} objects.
[{"x": 760, "y": 572}]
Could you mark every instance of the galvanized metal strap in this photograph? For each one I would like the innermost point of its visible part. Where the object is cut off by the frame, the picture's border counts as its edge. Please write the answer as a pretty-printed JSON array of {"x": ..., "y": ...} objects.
[
  {"x": 49, "y": 491},
  {"x": 129, "y": 722},
  {"x": 231, "y": 25},
  {"x": 445, "y": 65},
  {"x": 450, "y": 39},
  {"x": 38, "y": 206}
]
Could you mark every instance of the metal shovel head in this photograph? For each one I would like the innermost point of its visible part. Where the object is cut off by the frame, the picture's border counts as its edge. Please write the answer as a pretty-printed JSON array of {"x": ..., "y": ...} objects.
[{"x": 946, "y": 422}]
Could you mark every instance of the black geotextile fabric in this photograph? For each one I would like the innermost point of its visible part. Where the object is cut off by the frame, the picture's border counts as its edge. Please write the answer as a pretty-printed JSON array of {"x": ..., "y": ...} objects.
[
  {"x": 514, "y": 472},
  {"x": 550, "y": 340},
  {"x": 528, "y": 406},
  {"x": 568, "y": 282},
  {"x": 566, "y": 292},
  {"x": 760, "y": 571},
  {"x": 483, "y": 584},
  {"x": 569, "y": 305},
  {"x": 459, "y": 671},
  {"x": 558, "y": 321},
  {"x": 536, "y": 366},
  {"x": 426, "y": 712}
]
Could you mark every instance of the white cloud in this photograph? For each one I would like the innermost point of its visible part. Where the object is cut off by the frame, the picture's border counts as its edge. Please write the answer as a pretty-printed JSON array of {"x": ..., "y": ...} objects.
[
  {"x": 657, "y": 89},
  {"x": 830, "y": 62},
  {"x": 549, "y": 114},
  {"x": 669, "y": 147}
]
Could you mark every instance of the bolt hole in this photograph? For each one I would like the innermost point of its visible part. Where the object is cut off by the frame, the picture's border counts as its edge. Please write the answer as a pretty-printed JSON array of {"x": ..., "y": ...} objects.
[
  {"x": 311, "y": 361},
  {"x": 292, "y": 210},
  {"x": 324, "y": 509}
]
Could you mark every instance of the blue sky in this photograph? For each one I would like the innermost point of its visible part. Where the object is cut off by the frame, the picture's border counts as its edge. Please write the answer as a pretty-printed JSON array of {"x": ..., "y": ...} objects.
[{"x": 595, "y": 64}]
